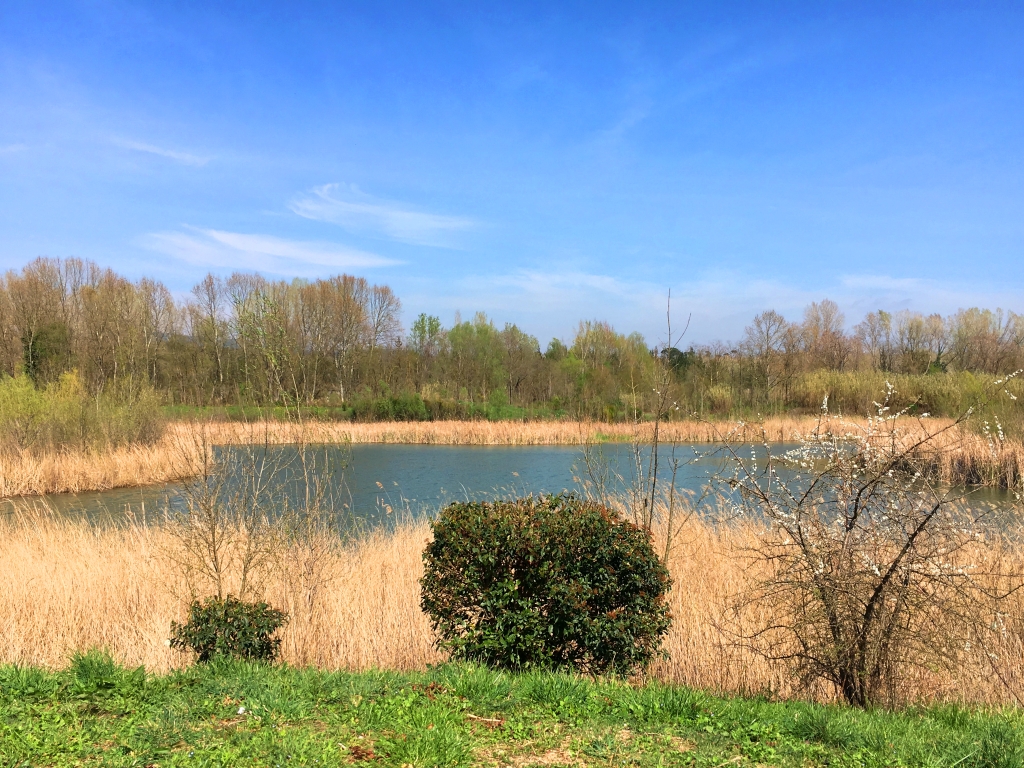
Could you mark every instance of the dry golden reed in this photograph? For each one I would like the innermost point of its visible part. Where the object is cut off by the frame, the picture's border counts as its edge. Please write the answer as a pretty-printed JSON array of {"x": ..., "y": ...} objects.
[
  {"x": 505, "y": 432},
  {"x": 70, "y": 586},
  {"x": 28, "y": 474}
]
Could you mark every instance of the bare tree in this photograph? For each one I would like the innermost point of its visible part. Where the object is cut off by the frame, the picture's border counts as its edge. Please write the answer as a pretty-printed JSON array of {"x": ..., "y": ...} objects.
[
  {"x": 251, "y": 511},
  {"x": 765, "y": 341},
  {"x": 209, "y": 327},
  {"x": 521, "y": 354},
  {"x": 875, "y": 335},
  {"x": 824, "y": 338},
  {"x": 383, "y": 310}
]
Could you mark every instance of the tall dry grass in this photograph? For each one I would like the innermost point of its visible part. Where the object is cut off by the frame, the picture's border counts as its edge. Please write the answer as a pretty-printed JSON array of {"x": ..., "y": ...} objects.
[
  {"x": 500, "y": 432},
  {"x": 25, "y": 473},
  {"x": 69, "y": 586},
  {"x": 967, "y": 458}
]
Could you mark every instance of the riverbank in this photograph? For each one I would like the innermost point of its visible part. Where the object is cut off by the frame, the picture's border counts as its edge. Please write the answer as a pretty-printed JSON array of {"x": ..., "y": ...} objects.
[
  {"x": 96, "y": 713},
  {"x": 70, "y": 586},
  {"x": 958, "y": 457}
]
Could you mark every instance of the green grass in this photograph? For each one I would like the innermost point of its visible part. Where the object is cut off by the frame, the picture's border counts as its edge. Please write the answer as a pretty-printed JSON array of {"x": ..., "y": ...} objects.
[{"x": 96, "y": 713}]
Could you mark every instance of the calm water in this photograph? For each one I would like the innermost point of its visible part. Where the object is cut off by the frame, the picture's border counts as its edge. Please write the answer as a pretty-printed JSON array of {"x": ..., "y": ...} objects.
[{"x": 418, "y": 479}]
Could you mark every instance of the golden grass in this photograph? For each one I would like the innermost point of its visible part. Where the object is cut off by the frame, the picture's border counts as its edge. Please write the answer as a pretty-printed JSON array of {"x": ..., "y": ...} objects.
[
  {"x": 962, "y": 457},
  {"x": 70, "y": 586}
]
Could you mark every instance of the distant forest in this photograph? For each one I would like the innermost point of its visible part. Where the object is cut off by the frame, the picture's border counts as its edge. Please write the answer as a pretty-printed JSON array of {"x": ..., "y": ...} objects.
[{"x": 338, "y": 345}]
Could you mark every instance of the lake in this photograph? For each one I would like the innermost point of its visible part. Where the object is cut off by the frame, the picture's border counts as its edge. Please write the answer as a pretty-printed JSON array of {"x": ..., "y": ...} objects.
[{"x": 377, "y": 481}]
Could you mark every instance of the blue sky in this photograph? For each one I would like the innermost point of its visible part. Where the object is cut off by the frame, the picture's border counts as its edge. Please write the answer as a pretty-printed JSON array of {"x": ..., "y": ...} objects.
[{"x": 542, "y": 163}]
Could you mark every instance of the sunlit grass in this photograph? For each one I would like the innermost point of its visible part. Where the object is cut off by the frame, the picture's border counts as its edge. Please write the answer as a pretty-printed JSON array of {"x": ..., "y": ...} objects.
[{"x": 94, "y": 712}]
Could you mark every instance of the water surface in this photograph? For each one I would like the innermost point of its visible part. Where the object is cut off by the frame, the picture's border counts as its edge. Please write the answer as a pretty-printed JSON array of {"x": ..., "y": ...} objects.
[{"x": 379, "y": 482}]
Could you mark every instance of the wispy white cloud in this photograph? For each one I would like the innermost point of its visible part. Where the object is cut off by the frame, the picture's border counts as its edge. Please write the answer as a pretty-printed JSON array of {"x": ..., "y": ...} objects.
[
  {"x": 360, "y": 213},
  {"x": 186, "y": 158},
  {"x": 10, "y": 149},
  {"x": 264, "y": 253}
]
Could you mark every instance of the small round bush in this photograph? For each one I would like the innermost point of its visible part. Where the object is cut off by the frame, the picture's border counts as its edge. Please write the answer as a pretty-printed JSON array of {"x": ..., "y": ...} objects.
[
  {"x": 230, "y": 627},
  {"x": 553, "y": 582}
]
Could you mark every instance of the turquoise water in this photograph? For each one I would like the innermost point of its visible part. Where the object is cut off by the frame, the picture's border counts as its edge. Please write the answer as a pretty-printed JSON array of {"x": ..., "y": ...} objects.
[
  {"x": 408, "y": 479},
  {"x": 375, "y": 482}
]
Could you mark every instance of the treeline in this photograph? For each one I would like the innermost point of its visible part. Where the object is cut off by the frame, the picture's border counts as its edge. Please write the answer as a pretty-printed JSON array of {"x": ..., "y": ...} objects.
[{"x": 339, "y": 345}]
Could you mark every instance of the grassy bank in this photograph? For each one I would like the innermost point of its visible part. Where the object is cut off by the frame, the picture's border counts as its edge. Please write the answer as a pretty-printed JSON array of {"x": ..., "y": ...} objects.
[
  {"x": 96, "y": 713},
  {"x": 70, "y": 586}
]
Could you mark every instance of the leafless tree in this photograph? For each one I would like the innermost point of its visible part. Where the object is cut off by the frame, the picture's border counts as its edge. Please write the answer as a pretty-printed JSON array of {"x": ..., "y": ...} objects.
[
  {"x": 765, "y": 341},
  {"x": 209, "y": 327},
  {"x": 251, "y": 511},
  {"x": 824, "y": 338}
]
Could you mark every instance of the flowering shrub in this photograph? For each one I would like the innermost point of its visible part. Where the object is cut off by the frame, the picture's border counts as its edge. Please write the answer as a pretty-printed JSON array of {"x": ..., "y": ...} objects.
[{"x": 870, "y": 571}]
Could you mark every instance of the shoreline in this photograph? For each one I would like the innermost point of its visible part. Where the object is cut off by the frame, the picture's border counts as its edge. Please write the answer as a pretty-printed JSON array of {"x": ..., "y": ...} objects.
[
  {"x": 26, "y": 474},
  {"x": 963, "y": 458}
]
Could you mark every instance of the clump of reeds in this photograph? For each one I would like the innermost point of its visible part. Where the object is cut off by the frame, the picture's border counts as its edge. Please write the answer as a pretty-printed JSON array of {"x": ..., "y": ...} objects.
[
  {"x": 967, "y": 458},
  {"x": 24, "y": 473}
]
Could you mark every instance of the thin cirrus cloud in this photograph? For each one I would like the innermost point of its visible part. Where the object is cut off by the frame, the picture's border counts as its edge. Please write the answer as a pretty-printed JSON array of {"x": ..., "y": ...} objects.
[
  {"x": 185, "y": 158},
  {"x": 357, "y": 212},
  {"x": 264, "y": 253}
]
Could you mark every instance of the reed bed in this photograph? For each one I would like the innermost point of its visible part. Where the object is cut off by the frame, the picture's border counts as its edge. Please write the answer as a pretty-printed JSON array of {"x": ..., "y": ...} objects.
[
  {"x": 25, "y": 473},
  {"x": 967, "y": 458},
  {"x": 500, "y": 432},
  {"x": 70, "y": 586}
]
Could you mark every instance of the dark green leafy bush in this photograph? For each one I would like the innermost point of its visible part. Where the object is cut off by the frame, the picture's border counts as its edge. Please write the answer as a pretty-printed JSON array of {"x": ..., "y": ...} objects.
[
  {"x": 230, "y": 627},
  {"x": 551, "y": 582}
]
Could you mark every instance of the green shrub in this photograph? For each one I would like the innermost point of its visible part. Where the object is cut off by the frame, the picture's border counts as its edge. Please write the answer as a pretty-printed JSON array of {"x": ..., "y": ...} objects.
[
  {"x": 230, "y": 627},
  {"x": 64, "y": 415},
  {"x": 549, "y": 582},
  {"x": 403, "y": 407}
]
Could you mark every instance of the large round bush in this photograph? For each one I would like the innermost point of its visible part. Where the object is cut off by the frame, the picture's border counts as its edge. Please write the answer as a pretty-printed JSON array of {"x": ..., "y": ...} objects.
[{"x": 553, "y": 582}]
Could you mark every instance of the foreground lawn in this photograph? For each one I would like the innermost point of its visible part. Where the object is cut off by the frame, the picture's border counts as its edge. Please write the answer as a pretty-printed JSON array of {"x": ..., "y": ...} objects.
[{"x": 96, "y": 713}]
